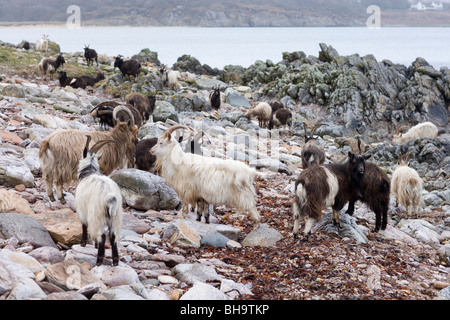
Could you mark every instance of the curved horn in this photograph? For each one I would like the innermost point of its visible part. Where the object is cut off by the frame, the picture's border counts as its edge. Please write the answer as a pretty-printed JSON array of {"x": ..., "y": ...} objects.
[
  {"x": 86, "y": 148},
  {"x": 407, "y": 158},
  {"x": 399, "y": 160},
  {"x": 315, "y": 127},
  {"x": 106, "y": 103},
  {"x": 397, "y": 132},
  {"x": 172, "y": 129},
  {"x": 100, "y": 144},
  {"x": 125, "y": 109}
]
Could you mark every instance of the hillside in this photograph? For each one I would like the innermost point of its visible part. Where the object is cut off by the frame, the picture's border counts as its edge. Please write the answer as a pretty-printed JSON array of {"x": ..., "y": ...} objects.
[{"x": 226, "y": 13}]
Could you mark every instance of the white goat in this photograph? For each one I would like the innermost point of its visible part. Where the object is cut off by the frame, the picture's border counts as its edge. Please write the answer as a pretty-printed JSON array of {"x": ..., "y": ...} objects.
[
  {"x": 169, "y": 78},
  {"x": 262, "y": 112},
  {"x": 421, "y": 130},
  {"x": 98, "y": 202},
  {"x": 42, "y": 44},
  {"x": 406, "y": 186},
  {"x": 199, "y": 179}
]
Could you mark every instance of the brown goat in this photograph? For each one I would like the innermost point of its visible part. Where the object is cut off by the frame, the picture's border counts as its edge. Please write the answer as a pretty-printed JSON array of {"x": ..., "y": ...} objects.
[
  {"x": 145, "y": 105},
  {"x": 312, "y": 153},
  {"x": 59, "y": 154}
]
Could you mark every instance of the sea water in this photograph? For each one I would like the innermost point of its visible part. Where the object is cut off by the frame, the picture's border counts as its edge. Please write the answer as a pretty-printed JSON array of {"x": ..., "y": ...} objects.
[{"x": 218, "y": 47}]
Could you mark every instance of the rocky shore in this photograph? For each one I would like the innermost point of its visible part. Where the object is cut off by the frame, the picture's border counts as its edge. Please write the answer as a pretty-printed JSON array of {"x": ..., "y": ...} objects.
[{"x": 165, "y": 257}]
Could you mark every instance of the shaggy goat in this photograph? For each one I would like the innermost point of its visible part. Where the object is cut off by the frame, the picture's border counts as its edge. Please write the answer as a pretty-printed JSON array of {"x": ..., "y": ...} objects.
[
  {"x": 50, "y": 65},
  {"x": 313, "y": 152},
  {"x": 169, "y": 78},
  {"x": 406, "y": 186},
  {"x": 130, "y": 67},
  {"x": 42, "y": 44},
  {"x": 98, "y": 202},
  {"x": 318, "y": 187},
  {"x": 79, "y": 82},
  {"x": 203, "y": 179},
  {"x": 374, "y": 192},
  {"x": 421, "y": 130},
  {"x": 90, "y": 55},
  {"x": 59, "y": 154},
  {"x": 262, "y": 112},
  {"x": 111, "y": 112},
  {"x": 279, "y": 118},
  {"x": 214, "y": 98},
  {"x": 144, "y": 160},
  {"x": 276, "y": 104},
  {"x": 145, "y": 105}
]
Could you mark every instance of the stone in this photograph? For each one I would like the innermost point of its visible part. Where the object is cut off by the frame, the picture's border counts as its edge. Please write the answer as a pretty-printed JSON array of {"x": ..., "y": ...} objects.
[
  {"x": 203, "y": 291},
  {"x": 66, "y": 295},
  {"x": 115, "y": 276},
  {"x": 25, "y": 289},
  {"x": 133, "y": 223},
  {"x": 13, "y": 90},
  {"x": 204, "y": 83},
  {"x": 235, "y": 99},
  {"x": 163, "y": 111},
  {"x": 71, "y": 275},
  {"x": 25, "y": 229},
  {"x": 63, "y": 225},
  {"x": 349, "y": 228},
  {"x": 184, "y": 236},
  {"x": 196, "y": 272},
  {"x": 420, "y": 229},
  {"x": 11, "y": 201},
  {"x": 214, "y": 239},
  {"x": 126, "y": 292},
  {"x": 143, "y": 190},
  {"x": 264, "y": 236},
  {"x": 10, "y": 136},
  {"x": 273, "y": 165},
  {"x": 14, "y": 171},
  {"x": 234, "y": 289},
  {"x": 47, "y": 255}
]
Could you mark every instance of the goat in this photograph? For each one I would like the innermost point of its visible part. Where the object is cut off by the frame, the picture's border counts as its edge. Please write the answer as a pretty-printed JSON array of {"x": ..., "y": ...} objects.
[
  {"x": 203, "y": 179},
  {"x": 98, "y": 202},
  {"x": 406, "y": 186},
  {"x": 262, "y": 112},
  {"x": 111, "y": 112},
  {"x": 59, "y": 154},
  {"x": 79, "y": 82},
  {"x": 276, "y": 104},
  {"x": 50, "y": 65},
  {"x": 313, "y": 152},
  {"x": 104, "y": 111},
  {"x": 90, "y": 55},
  {"x": 145, "y": 105},
  {"x": 144, "y": 160},
  {"x": 130, "y": 67},
  {"x": 214, "y": 98},
  {"x": 281, "y": 117},
  {"x": 169, "y": 78},
  {"x": 42, "y": 44},
  {"x": 321, "y": 186},
  {"x": 421, "y": 130}
]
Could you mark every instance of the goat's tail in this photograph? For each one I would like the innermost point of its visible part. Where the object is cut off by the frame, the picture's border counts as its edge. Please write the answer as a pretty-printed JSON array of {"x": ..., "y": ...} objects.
[
  {"x": 113, "y": 212},
  {"x": 44, "y": 150}
]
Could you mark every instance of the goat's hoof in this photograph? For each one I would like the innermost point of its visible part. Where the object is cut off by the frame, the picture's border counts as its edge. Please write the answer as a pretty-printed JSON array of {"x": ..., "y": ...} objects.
[
  {"x": 295, "y": 236},
  {"x": 51, "y": 198},
  {"x": 83, "y": 244},
  {"x": 62, "y": 200}
]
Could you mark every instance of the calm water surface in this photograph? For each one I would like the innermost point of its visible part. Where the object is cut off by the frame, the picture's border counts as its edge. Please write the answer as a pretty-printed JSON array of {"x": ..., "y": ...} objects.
[{"x": 218, "y": 47}]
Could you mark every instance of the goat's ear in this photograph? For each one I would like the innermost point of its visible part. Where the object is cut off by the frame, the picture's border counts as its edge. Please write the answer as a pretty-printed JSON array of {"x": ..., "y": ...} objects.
[
  {"x": 351, "y": 155},
  {"x": 129, "y": 123},
  {"x": 99, "y": 155},
  {"x": 367, "y": 156}
]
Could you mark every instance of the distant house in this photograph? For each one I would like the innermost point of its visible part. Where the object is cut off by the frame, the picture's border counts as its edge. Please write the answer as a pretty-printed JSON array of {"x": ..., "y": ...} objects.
[{"x": 421, "y": 7}]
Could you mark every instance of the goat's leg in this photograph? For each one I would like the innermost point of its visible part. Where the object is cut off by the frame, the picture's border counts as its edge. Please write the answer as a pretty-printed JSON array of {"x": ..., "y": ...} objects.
[
  {"x": 254, "y": 215},
  {"x": 351, "y": 207},
  {"x": 336, "y": 216},
  {"x": 101, "y": 250},
  {"x": 115, "y": 253},
  {"x": 296, "y": 214},
  {"x": 206, "y": 211},
  {"x": 184, "y": 211},
  {"x": 308, "y": 225},
  {"x": 59, "y": 193},
  {"x": 84, "y": 235},
  {"x": 49, "y": 182}
]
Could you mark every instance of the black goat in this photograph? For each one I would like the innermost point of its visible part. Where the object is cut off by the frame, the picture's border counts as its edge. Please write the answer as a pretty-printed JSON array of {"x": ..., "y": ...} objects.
[
  {"x": 79, "y": 82},
  {"x": 214, "y": 98},
  {"x": 320, "y": 186},
  {"x": 130, "y": 67},
  {"x": 90, "y": 55},
  {"x": 276, "y": 104}
]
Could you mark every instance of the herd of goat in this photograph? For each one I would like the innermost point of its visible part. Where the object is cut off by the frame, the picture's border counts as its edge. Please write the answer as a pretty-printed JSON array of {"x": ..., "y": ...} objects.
[{"x": 199, "y": 180}]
